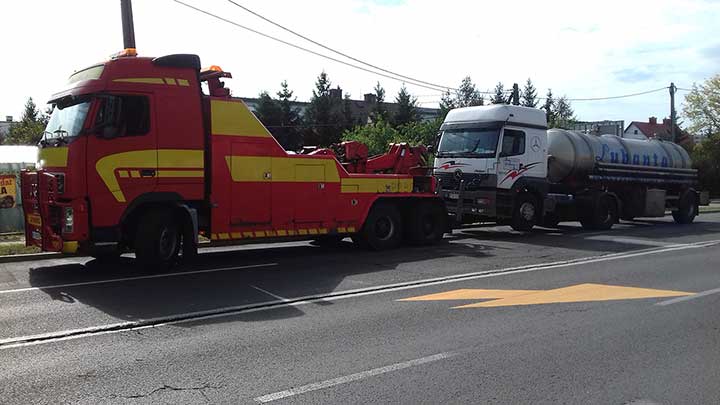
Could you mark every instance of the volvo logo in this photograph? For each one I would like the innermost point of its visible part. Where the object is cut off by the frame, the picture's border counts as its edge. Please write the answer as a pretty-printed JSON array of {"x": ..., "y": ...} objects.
[{"x": 458, "y": 174}]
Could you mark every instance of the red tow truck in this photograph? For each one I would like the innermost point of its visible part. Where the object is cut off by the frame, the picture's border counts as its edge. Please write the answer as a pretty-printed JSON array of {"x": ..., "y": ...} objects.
[{"x": 137, "y": 156}]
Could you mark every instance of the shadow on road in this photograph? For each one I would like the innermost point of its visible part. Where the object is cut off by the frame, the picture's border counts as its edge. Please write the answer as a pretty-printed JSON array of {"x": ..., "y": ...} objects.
[{"x": 282, "y": 273}]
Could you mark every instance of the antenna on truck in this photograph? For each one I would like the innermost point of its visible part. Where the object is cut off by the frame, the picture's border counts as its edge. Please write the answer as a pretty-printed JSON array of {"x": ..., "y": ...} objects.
[{"x": 128, "y": 29}]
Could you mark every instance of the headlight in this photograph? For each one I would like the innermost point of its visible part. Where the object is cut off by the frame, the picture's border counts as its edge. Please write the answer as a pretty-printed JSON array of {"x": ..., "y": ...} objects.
[{"x": 68, "y": 222}]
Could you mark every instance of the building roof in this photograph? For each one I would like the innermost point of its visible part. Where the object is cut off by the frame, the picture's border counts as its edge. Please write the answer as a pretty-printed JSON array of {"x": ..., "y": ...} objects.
[{"x": 662, "y": 130}]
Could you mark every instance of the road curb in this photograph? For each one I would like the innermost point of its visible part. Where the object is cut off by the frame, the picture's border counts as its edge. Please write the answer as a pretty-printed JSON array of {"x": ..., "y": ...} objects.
[{"x": 30, "y": 257}]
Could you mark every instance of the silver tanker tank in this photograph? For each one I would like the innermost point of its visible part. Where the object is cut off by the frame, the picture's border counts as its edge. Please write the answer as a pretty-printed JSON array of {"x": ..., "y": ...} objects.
[{"x": 574, "y": 153}]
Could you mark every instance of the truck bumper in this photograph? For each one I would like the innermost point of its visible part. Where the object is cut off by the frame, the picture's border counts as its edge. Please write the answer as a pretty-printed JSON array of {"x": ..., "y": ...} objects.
[
  {"x": 51, "y": 224},
  {"x": 470, "y": 205}
]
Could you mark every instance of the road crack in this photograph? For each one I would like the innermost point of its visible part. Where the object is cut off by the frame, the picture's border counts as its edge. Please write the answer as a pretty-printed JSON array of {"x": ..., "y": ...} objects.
[{"x": 167, "y": 387}]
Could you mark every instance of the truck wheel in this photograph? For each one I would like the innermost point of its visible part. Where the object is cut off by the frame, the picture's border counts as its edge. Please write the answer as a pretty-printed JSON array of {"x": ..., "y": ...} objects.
[
  {"x": 382, "y": 229},
  {"x": 157, "y": 242},
  {"x": 426, "y": 223},
  {"x": 525, "y": 213},
  {"x": 602, "y": 214},
  {"x": 687, "y": 209}
]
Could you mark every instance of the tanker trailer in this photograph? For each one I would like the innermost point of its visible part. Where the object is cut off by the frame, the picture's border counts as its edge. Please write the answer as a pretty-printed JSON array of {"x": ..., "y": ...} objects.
[
  {"x": 501, "y": 164},
  {"x": 598, "y": 179}
]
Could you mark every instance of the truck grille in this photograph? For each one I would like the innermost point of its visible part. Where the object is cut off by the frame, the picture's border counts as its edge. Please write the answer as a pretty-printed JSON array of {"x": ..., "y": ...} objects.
[{"x": 473, "y": 181}]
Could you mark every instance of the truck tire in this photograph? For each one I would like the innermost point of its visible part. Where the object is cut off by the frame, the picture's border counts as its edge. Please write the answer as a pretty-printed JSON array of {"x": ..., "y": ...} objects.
[
  {"x": 601, "y": 214},
  {"x": 426, "y": 223},
  {"x": 157, "y": 242},
  {"x": 382, "y": 229},
  {"x": 687, "y": 209},
  {"x": 525, "y": 213}
]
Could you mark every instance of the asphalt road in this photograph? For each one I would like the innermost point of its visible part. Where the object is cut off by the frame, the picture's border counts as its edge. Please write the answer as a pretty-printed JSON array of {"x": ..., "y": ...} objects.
[{"x": 627, "y": 316}]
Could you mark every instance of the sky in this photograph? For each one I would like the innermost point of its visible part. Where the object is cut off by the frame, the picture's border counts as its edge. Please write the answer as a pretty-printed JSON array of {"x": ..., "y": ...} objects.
[{"x": 581, "y": 49}]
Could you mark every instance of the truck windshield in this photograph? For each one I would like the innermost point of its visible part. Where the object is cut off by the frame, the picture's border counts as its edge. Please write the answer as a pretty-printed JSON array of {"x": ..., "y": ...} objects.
[
  {"x": 476, "y": 142},
  {"x": 67, "y": 121}
]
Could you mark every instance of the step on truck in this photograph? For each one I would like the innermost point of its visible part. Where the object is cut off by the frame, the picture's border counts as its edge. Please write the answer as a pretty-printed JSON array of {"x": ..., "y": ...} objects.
[
  {"x": 144, "y": 154},
  {"x": 501, "y": 164}
]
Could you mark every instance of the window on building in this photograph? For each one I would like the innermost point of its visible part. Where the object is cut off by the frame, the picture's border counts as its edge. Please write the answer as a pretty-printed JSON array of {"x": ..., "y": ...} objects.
[
  {"x": 635, "y": 132},
  {"x": 513, "y": 143}
]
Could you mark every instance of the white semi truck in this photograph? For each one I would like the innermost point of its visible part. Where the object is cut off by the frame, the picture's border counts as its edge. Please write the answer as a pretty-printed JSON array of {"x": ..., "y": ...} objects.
[{"x": 501, "y": 163}]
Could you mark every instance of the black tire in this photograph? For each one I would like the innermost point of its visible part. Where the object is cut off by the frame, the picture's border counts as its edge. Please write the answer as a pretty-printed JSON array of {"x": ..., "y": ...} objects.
[
  {"x": 157, "y": 241},
  {"x": 550, "y": 220},
  {"x": 602, "y": 213},
  {"x": 687, "y": 209},
  {"x": 382, "y": 229},
  {"x": 525, "y": 213},
  {"x": 426, "y": 223}
]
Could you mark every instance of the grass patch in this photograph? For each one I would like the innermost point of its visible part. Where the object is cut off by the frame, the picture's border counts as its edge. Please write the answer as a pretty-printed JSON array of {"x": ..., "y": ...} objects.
[{"x": 9, "y": 249}]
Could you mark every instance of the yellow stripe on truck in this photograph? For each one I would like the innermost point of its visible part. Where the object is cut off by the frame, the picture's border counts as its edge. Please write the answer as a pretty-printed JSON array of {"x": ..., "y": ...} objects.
[
  {"x": 364, "y": 185},
  {"x": 235, "y": 119},
  {"x": 53, "y": 157}
]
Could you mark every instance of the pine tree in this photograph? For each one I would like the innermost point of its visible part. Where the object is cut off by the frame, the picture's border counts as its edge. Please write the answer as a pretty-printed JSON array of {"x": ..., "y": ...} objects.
[
  {"x": 379, "y": 110},
  {"x": 29, "y": 130},
  {"x": 447, "y": 103},
  {"x": 529, "y": 95},
  {"x": 406, "y": 108},
  {"x": 499, "y": 96},
  {"x": 564, "y": 114},
  {"x": 549, "y": 108},
  {"x": 290, "y": 119},
  {"x": 324, "y": 114},
  {"x": 468, "y": 95}
]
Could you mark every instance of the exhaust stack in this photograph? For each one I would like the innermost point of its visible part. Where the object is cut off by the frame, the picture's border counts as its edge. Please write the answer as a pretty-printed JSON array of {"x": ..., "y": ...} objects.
[{"x": 128, "y": 28}]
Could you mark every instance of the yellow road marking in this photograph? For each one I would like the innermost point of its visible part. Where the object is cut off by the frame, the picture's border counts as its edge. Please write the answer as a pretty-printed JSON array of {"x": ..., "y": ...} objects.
[{"x": 577, "y": 293}]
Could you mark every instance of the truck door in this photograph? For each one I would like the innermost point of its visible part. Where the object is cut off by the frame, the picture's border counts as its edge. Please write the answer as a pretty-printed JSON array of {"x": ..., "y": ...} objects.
[
  {"x": 121, "y": 155},
  {"x": 251, "y": 192},
  {"x": 521, "y": 154}
]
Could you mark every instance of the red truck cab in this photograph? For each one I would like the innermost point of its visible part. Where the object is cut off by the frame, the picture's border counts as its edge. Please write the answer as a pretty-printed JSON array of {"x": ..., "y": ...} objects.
[{"x": 138, "y": 156}]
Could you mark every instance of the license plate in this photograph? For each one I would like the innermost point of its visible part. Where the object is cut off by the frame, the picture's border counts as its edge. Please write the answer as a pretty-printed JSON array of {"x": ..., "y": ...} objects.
[
  {"x": 454, "y": 196},
  {"x": 36, "y": 235}
]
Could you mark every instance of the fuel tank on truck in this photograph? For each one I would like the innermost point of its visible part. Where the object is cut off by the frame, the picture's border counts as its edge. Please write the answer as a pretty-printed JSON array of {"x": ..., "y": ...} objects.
[{"x": 573, "y": 154}]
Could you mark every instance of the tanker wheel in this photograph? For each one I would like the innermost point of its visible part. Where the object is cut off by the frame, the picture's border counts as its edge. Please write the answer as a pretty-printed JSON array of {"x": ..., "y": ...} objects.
[
  {"x": 382, "y": 229},
  {"x": 426, "y": 223},
  {"x": 687, "y": 209},
  {"x": 603, "y": 213},
  {"x": 157, "y": 242},
  {"x": 525, "y": 213}
]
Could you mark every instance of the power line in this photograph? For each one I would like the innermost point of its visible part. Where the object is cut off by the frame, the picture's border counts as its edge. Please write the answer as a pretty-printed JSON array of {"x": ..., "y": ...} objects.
[
  {"x": 336, "y": 51},
  {"x": 609, "y": 97},
  {"x": 302, "y": 48}
]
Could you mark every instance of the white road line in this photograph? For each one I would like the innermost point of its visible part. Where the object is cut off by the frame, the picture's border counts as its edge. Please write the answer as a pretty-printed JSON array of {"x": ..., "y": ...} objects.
[
  {"x": 118, "y": 280},
  {"x": 689, "y": 297},
  {"x": 176, "y": 319},
  {"x": 283, "y": 299},
  {"x": 352, "y": 377},
  {"x": 630, "y": 241}
]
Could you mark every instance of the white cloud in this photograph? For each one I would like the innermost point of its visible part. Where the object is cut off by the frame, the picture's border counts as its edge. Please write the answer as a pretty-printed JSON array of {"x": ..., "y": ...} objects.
[{"x": 578, "y": 48}]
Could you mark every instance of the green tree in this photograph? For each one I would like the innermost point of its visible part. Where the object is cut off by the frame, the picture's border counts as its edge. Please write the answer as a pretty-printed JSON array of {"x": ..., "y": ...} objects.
[
  {"x": 564, "y": 115},
  {"x": 466, "y": 95},
  {"x": 549, "y": 108},
  {"x": 376, "y": 136},
  {"x": 706, "y": 159},
  {"x": 702, "y": 107},
  {"x": 406, "y": 107},
  {"x": 378, "y": 111},
  {"x": 324, "y": 115},
  {"x": 290, "y": 119},
  {"x": 499, "y": 96},
  {"x": 529, "y": 95},
  {"x": 30, "y": 129}
]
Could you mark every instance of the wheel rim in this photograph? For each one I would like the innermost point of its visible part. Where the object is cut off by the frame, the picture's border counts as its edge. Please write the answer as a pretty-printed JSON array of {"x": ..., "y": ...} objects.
[
  {"x": 384, "y": 228},
  {"x": 168, "y": 242},
  {"x": 527, "y": 211}
]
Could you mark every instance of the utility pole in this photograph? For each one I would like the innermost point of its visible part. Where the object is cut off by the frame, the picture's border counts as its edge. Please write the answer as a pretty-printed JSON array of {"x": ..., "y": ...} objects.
[
  {"x": 515, "y": 94},
  {"x": 127, "y": 24},
  {"x": 673, "y": 116}
]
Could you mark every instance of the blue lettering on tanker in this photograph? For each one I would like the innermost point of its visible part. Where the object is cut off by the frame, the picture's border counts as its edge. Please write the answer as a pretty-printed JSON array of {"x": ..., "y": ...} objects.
[
  {"x": 636, "y": 159},
  {"x": 664, "y": 162},
  {"x": 646, "y": 160},
  {"x": 622, "y": 156}
]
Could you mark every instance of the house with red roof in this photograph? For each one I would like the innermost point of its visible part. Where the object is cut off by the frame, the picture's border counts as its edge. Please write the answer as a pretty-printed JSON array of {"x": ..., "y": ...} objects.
[{"x": 654, "y": 129}]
